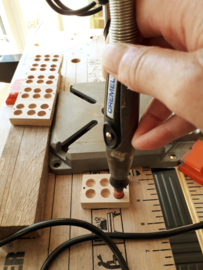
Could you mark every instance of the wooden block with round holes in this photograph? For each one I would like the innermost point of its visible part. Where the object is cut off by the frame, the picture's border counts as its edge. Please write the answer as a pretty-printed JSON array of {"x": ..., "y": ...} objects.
[
  {"x": 98, "y": 193},
  {"x": 48, "y": 58},
  {"x": 43, "y": 67},
  {"x": 34, "y": 106},
  {"x": 31, "y": 113},
  {"x": 38, "y": 79},
  {"x": 36, "y": 93}
]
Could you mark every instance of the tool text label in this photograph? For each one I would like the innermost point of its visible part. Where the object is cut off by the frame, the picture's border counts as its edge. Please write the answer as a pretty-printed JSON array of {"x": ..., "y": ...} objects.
[{"x": 111, "y": 97}]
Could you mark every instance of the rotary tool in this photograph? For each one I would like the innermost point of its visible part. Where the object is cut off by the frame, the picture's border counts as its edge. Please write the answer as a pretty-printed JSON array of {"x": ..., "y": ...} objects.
[{"x": 121, "y": 111}]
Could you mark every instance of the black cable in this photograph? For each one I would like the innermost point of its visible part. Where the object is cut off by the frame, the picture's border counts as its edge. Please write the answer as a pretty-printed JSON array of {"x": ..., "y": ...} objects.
[
  {"x": 72, "y": 222},
  {"x": 91, "y": 12},
  {"x": 106, "y": 29},
  {"x": 61, "y": 5},
  {"x": 98, "y": 234},
  {"x": 68, "y": 11},
  {"x": 121, "y": 236}
]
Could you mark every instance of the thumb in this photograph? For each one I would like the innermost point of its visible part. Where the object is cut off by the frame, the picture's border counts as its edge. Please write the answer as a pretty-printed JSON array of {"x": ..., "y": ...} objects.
[{"x": 170, "y": 76}]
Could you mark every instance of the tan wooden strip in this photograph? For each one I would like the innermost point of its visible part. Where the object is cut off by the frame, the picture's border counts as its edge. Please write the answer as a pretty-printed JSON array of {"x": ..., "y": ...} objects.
[
  {"x": 24, "y": 193},
  {"x": 33, "y": 251},
  {"x": 193, "y": 193},
  {"x": 145, "y": 215},
  {"x": 4, "y": 125},
  {"x": 80, "y": 255},
  {"x": 61, "y": 209},
  {"x": 7, "y": 164}
]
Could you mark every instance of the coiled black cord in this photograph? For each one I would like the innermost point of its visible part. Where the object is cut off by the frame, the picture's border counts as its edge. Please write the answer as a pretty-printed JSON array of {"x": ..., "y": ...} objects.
[
  {"x": 60, "y": 8},
  {"x": 72, "y": 222},
  {"x": 121, "y": 236},
  {"x": 98, "y": 234}
]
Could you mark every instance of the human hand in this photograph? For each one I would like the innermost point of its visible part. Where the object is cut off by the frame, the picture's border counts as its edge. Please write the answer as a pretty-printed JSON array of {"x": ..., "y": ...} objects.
[{"x": 167, "y": 66}]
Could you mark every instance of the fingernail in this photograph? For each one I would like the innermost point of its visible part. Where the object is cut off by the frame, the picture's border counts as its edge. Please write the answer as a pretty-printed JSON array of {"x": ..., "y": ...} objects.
[{"x": 112, "y": 55}]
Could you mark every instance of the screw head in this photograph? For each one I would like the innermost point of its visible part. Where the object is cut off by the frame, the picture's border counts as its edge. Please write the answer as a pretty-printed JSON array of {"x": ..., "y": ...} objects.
[{"x": 108, "y": 136}]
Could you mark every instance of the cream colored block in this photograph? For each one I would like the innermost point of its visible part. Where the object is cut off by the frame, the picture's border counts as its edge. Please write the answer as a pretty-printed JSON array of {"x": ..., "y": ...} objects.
[
  {"x": 48, "y": 58},
  {"x": 37, "y": 93},
  {"x": 29, "y": 112},
  {"x": 42, "y": 68},
  {"x": 98, "y": 193},
  {"x": 38, "y": 79}
]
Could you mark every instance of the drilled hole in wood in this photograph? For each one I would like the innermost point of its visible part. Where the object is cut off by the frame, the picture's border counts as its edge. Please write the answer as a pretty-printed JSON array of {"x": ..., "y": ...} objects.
[
  {"x": 49, "y": 82},
  {"x": 47, "y": 96},
  {"x": 105, "y": 193},
  {"x": 56, "y": 55},
  {"x": 37, "y": 90},
  {"x": 90, "y": 182},
  {"x": 31, "y": 77},
  {"x": 32, "y": 106},
  {"x": 41, "y": 113},
  {"x": 41, "y": 77},
  {"x": 52, "y": 69},
  {"x": 28, "y": 89},
  {"x": 53, "y": 66},
  {"x": 55, "y": 60},
  {"x": 38, "y": 56},
  {"x": 43, "y": 65},
  {"x": 104, "y": 182},
  {"x": 25, "y": 96},
  {"x": 75, "y": 60},
  {"x": 31, "y": 112},
  {"x": 35, "y": 65},
  {"x": 36, "y": 96},
  {"x": 29, "y": 81},
  {"x": 18, "y": 112},
  {"x": 33, "y": 69},
  {"x": 20, "y": 106},
  {"x": 47, "y": 55},
  {"x": 47, "y": 59},
  {"x": 44, "y": 106},
  {"x": 40, "y": 81},
  {"x": 51, "y": 77},
  {"x": 37, "y": 59},
  {"x": 42, "y": 69},
  {"x": 90, "y": 193},
  {"x": 49, "y": 91}
]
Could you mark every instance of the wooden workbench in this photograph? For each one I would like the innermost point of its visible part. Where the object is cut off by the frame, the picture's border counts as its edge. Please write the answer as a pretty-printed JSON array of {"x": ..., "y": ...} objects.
[{"x": 63, "y": 192}]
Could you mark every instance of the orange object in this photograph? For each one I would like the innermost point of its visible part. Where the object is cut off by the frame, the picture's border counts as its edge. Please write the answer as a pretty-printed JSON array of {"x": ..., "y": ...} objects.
[
  {"x": 118, "y": 195},
  {"x": 192, "y": 162},
  {"x": 14, "y": 91}
]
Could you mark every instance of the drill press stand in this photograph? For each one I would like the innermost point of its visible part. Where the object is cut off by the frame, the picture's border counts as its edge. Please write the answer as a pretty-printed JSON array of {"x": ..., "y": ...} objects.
[{"x": 77, "y": 144}]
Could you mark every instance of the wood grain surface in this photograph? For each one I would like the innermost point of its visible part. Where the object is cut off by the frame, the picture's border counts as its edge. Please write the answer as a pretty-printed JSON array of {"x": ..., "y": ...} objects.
[
  {"x": 24, "y": 158},
  {"x": 63, "y": 201}
]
